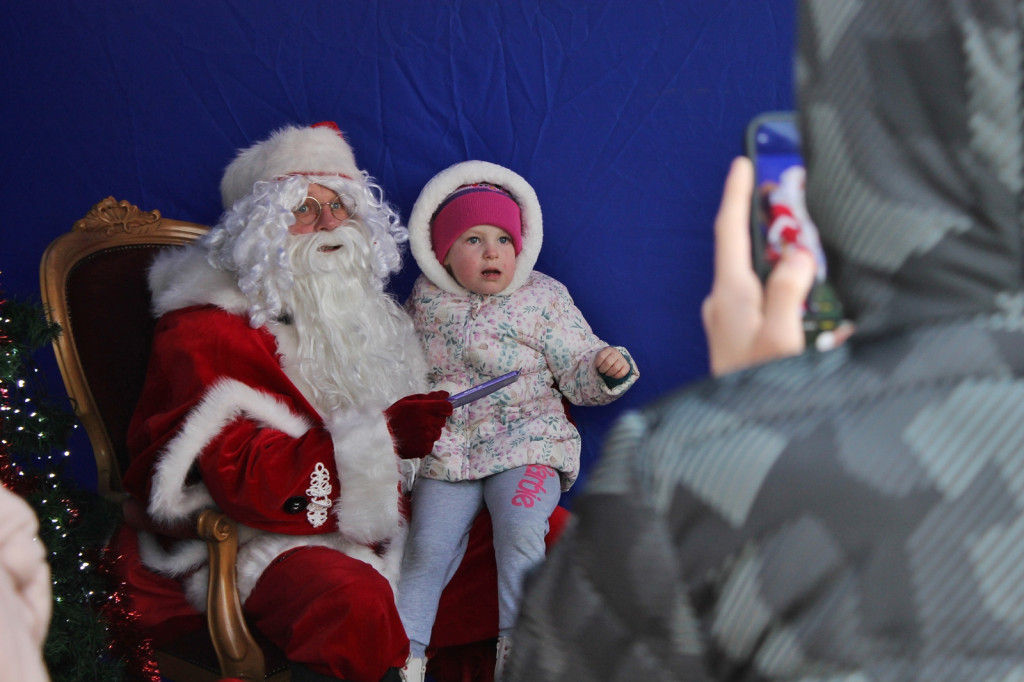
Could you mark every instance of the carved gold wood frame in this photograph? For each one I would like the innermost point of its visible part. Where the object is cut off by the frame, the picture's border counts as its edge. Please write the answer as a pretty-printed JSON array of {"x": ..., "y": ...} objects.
[{"x": 109, "y": 224}]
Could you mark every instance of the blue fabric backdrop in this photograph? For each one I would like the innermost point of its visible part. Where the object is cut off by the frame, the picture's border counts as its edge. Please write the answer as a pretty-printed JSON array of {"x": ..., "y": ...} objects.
[{"x": 623, "y": 114}]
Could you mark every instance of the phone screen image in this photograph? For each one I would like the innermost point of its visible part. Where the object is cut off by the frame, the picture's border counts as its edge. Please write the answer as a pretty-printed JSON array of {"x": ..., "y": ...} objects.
[{"x": 779, "y": 216}]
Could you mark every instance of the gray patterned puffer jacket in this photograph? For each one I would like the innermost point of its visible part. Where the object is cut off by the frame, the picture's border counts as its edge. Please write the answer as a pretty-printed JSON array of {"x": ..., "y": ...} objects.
[{"x": 856, "y": 514}]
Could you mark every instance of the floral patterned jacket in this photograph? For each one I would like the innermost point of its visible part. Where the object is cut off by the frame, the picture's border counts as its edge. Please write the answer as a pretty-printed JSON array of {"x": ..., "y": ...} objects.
[{"x": 537, "y": 330}]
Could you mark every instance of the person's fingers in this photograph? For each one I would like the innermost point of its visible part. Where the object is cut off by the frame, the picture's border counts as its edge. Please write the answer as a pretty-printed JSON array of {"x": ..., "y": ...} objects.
[
  {"x": 736, "y": 288},
  {"x": 608, "y": 361},
  {"x": 618, "y": 369},
  {"x": 730, "y": 334},
  {"x": 786, "y": 290},
  {"x": 833, "y": 339},
  {"x": 843, "y": 332},
  {"x": 707, "y": 312},
  {"x": 732, "y": 224}
]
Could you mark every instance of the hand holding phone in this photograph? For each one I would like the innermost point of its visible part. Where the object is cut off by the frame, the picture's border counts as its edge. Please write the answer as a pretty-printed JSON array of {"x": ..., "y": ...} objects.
[
  {"x": 748, "y": 321},
  {"x": 779, "y": 216}
]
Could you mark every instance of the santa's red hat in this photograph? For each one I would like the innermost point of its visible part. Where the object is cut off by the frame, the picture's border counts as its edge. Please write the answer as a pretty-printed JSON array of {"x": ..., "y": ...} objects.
[{"x": 316, "y": 150}]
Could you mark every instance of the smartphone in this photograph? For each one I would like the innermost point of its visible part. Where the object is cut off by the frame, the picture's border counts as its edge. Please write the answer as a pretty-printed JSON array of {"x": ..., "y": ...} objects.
[{"x": 779, "y": 217}]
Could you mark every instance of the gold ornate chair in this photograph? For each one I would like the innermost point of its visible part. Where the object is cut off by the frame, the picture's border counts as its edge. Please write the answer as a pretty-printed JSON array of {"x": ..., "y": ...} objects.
[{"x": 93, "y": 282}]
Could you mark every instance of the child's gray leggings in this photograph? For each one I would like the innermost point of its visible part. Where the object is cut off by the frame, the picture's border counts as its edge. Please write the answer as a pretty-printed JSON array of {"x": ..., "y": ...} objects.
[{"x": 519, "y": 500}]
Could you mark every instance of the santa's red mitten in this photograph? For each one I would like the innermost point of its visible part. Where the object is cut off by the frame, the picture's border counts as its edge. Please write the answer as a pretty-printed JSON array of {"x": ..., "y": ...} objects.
[{"x": 416, "y": 422}]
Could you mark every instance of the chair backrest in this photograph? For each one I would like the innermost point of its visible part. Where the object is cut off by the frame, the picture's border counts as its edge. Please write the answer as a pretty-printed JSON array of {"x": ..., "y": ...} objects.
[{"x": 94, "y": 286}]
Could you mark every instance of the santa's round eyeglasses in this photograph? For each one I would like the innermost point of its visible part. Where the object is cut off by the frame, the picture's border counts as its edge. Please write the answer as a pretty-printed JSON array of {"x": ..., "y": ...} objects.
[{"x": 342, "y": 207}]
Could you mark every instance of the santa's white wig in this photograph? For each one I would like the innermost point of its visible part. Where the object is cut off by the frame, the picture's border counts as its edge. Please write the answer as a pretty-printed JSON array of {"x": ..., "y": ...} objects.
[{"x": 249, "y": 239}]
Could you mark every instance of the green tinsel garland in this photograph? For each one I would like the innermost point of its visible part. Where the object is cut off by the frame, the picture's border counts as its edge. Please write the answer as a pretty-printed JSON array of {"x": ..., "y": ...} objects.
[{"x": 82, "y": 644}]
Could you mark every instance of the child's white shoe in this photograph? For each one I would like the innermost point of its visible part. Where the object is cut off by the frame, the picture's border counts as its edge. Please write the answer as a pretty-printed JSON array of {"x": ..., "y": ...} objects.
[
  {"x": 414, "y": 670},
  {"x": 501, "y": 656}
]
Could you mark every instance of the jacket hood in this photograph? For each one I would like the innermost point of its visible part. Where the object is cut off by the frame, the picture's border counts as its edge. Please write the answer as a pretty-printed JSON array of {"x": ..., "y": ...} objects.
[
  {"x": 911, "y": 120},
  {"x": 449, "y": 180}
]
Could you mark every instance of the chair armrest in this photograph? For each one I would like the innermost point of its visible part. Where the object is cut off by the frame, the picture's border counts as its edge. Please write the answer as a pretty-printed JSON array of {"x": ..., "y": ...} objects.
[{"x": 237, "y": 651}]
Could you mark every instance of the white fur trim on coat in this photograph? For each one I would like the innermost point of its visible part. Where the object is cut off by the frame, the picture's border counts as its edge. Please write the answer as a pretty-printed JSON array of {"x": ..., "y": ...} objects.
[
  {"x": 369, "y": 476},
  {"x": 171, "y": 499},
  {"x": 181, "y": 558},
  {"x": 182, "y": 277},
  {"x": 449, "y": 180},
  {"x": 255, "y": 554}
]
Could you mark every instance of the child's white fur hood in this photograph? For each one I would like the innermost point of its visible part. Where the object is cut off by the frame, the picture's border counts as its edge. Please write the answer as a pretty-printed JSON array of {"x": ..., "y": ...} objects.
[{"x": 449, "y": 180}]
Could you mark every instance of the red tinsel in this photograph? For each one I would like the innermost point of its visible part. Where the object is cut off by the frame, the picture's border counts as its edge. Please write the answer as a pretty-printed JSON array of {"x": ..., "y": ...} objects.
[
  {"x": 13, "y": 477},
  {"x": 135, "y": 651}
]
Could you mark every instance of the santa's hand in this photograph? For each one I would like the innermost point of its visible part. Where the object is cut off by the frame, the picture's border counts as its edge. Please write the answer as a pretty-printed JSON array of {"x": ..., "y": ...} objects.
[
  {"x": 745, "y": 323},
  {"x": 416, "y": 422}
]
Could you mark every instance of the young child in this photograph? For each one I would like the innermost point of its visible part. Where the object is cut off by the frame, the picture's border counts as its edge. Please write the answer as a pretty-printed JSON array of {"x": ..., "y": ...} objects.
[{"x": 482, "y": 311}]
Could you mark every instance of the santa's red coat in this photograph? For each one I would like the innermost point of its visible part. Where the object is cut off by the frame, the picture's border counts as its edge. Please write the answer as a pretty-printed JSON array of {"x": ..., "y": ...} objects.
[{"x": 221, "y": 423}]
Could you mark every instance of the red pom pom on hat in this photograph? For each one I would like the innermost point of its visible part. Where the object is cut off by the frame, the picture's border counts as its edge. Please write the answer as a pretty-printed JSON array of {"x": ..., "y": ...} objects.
[{"x": 329, "y": 124}]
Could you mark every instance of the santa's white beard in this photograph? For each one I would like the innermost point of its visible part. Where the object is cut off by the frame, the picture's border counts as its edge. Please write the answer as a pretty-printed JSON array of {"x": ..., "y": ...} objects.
[{"x": 356, "y": 346}]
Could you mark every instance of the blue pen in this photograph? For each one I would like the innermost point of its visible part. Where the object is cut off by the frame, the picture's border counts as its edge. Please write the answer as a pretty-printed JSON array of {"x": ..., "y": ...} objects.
[{"x": 480, "y": 390}]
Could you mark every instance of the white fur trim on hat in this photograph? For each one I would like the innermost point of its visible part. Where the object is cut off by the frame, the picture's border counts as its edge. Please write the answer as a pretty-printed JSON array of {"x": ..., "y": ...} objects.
[
  {"x": 449, "y": 180},
  {"x": 314, "y": 150}
]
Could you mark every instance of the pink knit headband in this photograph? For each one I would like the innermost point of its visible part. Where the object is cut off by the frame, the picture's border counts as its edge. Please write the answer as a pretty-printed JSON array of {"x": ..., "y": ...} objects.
[{"x": 472, "y": 205}]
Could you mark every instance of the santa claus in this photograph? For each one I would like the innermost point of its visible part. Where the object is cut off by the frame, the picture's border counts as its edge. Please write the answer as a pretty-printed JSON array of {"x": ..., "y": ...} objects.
[{"x": 285, "y": 387}]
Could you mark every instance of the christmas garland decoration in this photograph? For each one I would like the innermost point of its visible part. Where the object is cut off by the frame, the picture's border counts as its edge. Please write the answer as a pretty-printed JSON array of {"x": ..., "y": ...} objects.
[{"x": 92, "y": 634}]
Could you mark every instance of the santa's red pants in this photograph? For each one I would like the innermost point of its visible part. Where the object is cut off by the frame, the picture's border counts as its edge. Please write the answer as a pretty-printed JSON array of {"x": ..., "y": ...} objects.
[{"x": 330, "y": 612}]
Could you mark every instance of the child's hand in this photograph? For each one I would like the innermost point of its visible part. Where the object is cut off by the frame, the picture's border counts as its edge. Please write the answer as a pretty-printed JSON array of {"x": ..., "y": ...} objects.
[{"x": 611, "y": 363}]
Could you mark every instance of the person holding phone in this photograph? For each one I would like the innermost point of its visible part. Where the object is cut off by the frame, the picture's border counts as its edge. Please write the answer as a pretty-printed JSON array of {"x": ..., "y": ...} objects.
[
  {"x": 855, "y": 513},
  {"x": 481, "y": 310}
]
